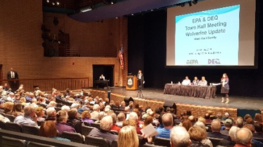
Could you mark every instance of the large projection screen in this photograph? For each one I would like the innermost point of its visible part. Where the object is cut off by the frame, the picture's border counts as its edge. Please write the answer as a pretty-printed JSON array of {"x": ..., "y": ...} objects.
[{"x": 212, "y": 33}]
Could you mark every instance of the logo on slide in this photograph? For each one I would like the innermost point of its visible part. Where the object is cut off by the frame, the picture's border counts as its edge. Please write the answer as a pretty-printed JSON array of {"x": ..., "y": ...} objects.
[
  {"x": 191, "y": 62},
  {"x": 213, "y": 61}
]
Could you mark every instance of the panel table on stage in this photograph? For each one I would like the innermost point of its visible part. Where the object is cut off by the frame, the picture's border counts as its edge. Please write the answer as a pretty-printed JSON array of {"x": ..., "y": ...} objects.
[{"x": 190, "y": 90}]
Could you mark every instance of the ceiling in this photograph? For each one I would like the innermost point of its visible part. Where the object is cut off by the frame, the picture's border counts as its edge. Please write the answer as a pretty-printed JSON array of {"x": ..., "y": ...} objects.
[{"x": 106, "y": 9}]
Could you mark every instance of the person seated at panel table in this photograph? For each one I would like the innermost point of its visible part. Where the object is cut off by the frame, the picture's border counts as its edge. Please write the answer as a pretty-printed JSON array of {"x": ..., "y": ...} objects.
[
  {"x": 202, "y": 82},
  {"x": 102, "y": 77},
  {"x": 186, "y": 81},
  {"x": 195, "y": 81}
]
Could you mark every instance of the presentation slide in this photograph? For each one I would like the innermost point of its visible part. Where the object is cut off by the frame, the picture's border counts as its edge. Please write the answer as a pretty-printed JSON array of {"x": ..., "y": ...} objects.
[{"x": 211, "y": 37}]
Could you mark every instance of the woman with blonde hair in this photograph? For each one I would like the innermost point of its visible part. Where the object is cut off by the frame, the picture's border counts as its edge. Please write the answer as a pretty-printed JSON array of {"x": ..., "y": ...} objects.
[
  {"x": 198, "y": 137},
  {"x": 8, "y": 107},
  {"x": 128, "y": 137}
]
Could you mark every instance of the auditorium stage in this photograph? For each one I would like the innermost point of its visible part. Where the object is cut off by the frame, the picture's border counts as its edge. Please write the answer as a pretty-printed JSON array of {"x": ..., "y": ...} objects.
[{"x": 253, "y": 103}]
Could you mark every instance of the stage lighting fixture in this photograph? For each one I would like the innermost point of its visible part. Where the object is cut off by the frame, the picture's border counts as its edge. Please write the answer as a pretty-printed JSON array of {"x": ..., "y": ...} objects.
[
  {"x": 190, "y": 4},
  {"x": 195, "y": 1}
]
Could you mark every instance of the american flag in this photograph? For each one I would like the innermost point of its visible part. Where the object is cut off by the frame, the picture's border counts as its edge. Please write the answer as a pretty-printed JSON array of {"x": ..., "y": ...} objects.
[{"x": 120, "y": 54}]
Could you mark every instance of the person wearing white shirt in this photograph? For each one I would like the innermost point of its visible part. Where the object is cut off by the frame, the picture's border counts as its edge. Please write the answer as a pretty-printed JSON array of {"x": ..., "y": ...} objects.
[
  {"x": 202, "y": 82},
  {"x": 102, "y": 77},
  {"x": 186, "y": 81}
]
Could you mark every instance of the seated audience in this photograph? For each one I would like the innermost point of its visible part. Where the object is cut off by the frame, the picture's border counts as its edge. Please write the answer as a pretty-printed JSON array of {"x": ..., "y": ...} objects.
[
  {"x": 49, "y": 129},
  {"x": 29, "y": 118},
  {"x": 179, "y": 137},
  {"x": 167, "y": 121},
  {"x": 73, "y": 120},
  {"x": 134, "y": 116},
  {"x": 202, "y": 82},
  {"x": 198, "y": 137},
  {"x": 128, "y": 137},
  {"x": 258, "y": 118},
  {"x": 216, "y": 127},
  {"x": 187, "y": 124},
  {"x": 186, "y": 81},
  {"x": 114, "y": 120},
  {"x": 8, "y": 107},
  {"x": 104, "y": 131},
  {"x": 148, "y": 120},
  {"x": 62, "y": 118},
  {"x": 239, "y": 122},
  {"x": 85, "y": 117},
  {"x": 258, "y": 130}
]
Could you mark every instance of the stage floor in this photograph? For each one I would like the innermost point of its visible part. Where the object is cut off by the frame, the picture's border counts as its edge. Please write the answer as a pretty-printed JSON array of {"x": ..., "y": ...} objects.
[{"x": 254, "y": 103}]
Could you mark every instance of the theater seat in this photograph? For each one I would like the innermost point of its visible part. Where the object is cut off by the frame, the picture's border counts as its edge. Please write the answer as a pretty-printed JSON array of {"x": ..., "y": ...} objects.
[
  {"x": 34, "y": 144},
  {"x": 74, "y": 137},
  {"x": 114, "y": 144},
  {"x": 162, "y": 141},
  {"x": 97, "y": 141},
  {"x": 96, "y": 125},
  {"x": 30, "y": 130},
  {"x": 13, "y": 127},
  {"x": 85, "y": 130},
  {"x": 2, "y": 125},
  {"x": 12, "y": 142},
  {"x": 215, "y": 141},
  {"x": 10, "y": 117}
]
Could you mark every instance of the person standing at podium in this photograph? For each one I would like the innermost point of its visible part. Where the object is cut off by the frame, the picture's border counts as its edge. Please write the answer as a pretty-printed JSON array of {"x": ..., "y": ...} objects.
[
  {"x": 140, "y": 78},
  {"x": 225, "y": 88},
  {"x": 102, "y": 77}
]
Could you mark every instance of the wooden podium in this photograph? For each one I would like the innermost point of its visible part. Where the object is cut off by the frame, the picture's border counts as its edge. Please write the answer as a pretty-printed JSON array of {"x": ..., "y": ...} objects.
[{"x": 132, "y": 83}]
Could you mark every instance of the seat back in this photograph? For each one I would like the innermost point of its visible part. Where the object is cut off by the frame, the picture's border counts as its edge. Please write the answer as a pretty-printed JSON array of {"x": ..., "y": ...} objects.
[
  {"x": 74, "y": 137},
  {"x": 30, "y": 130},
  {"x": 10, "y": 117},
  {"x": 97, "y": 141},
  {"x": 2, "y": 125},
  {"x": 215, "y": 141},
  {"x": 96, "y": 125},
  {"x": 13, "y": 127},
  {"x": 162, "y": 141},
  {"x": 114, "y": 144},
  {"x": 12, "y": 142},
  {"x": 34, "y": 144},
  {"x": 85, "y": 130}
]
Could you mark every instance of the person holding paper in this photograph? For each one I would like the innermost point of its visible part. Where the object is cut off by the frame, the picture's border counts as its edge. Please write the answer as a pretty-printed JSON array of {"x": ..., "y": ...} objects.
[
  {"x": 186, "y": 81},
  {"x": 225, "y": 88},
  {"x": 167, "y": 120}
]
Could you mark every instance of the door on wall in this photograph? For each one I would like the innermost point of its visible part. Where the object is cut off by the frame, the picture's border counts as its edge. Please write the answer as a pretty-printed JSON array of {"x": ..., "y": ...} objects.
[
  {"x": 1, "y": 74},
  {"x": 106, "y": 70}
]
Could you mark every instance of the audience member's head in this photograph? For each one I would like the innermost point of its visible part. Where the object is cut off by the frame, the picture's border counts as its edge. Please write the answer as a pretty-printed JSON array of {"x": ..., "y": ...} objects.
[
  {"x": 51, "y": 112},
  {"x": 179, "y": 137},
  {"x": 250, "y": 120},
  {"x": 232, "y": 132},
  {"x": 48, "y": 129},
  {"x": 128, "y": 137},
  {"x": 250, "y": 127},
  {"x": 201, "y": 119},
  {"x": 73, "y": 113},
  {"x": 96, "y": 107},
  {"x": 246, "y": 117},
  {"x": 62, "y": 116},
  {"x": 167, "y": 120},
  {"x": 258, "y": 127},
  {"x": 228, "y": 123},
  {"x": 197, "y": 133},
  {"x": 244, "y": 137},
  {"x": 187, "y": 124},
  {"x": 8, "y": 107},
  {"x": 65, "y": 108},
  {"x": 40, "y": 112},
  {"x": 133, "y": 116},
  {"x": 113, "y": 115},
  {"x": 85, "y": 115},
  {"x": 148, "y": 120},
  {"x": 219, "y": 115},
  {"x": 258, "y": 117},
  {"x": 30, "y": 111},
  {"x": 121, "y": 117},
  {"x": 106, "y": 123},
  {"x": 200, "y": 124},
  {"x": 216, "y": 125},
  {"x": 239, "y": 122}
]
